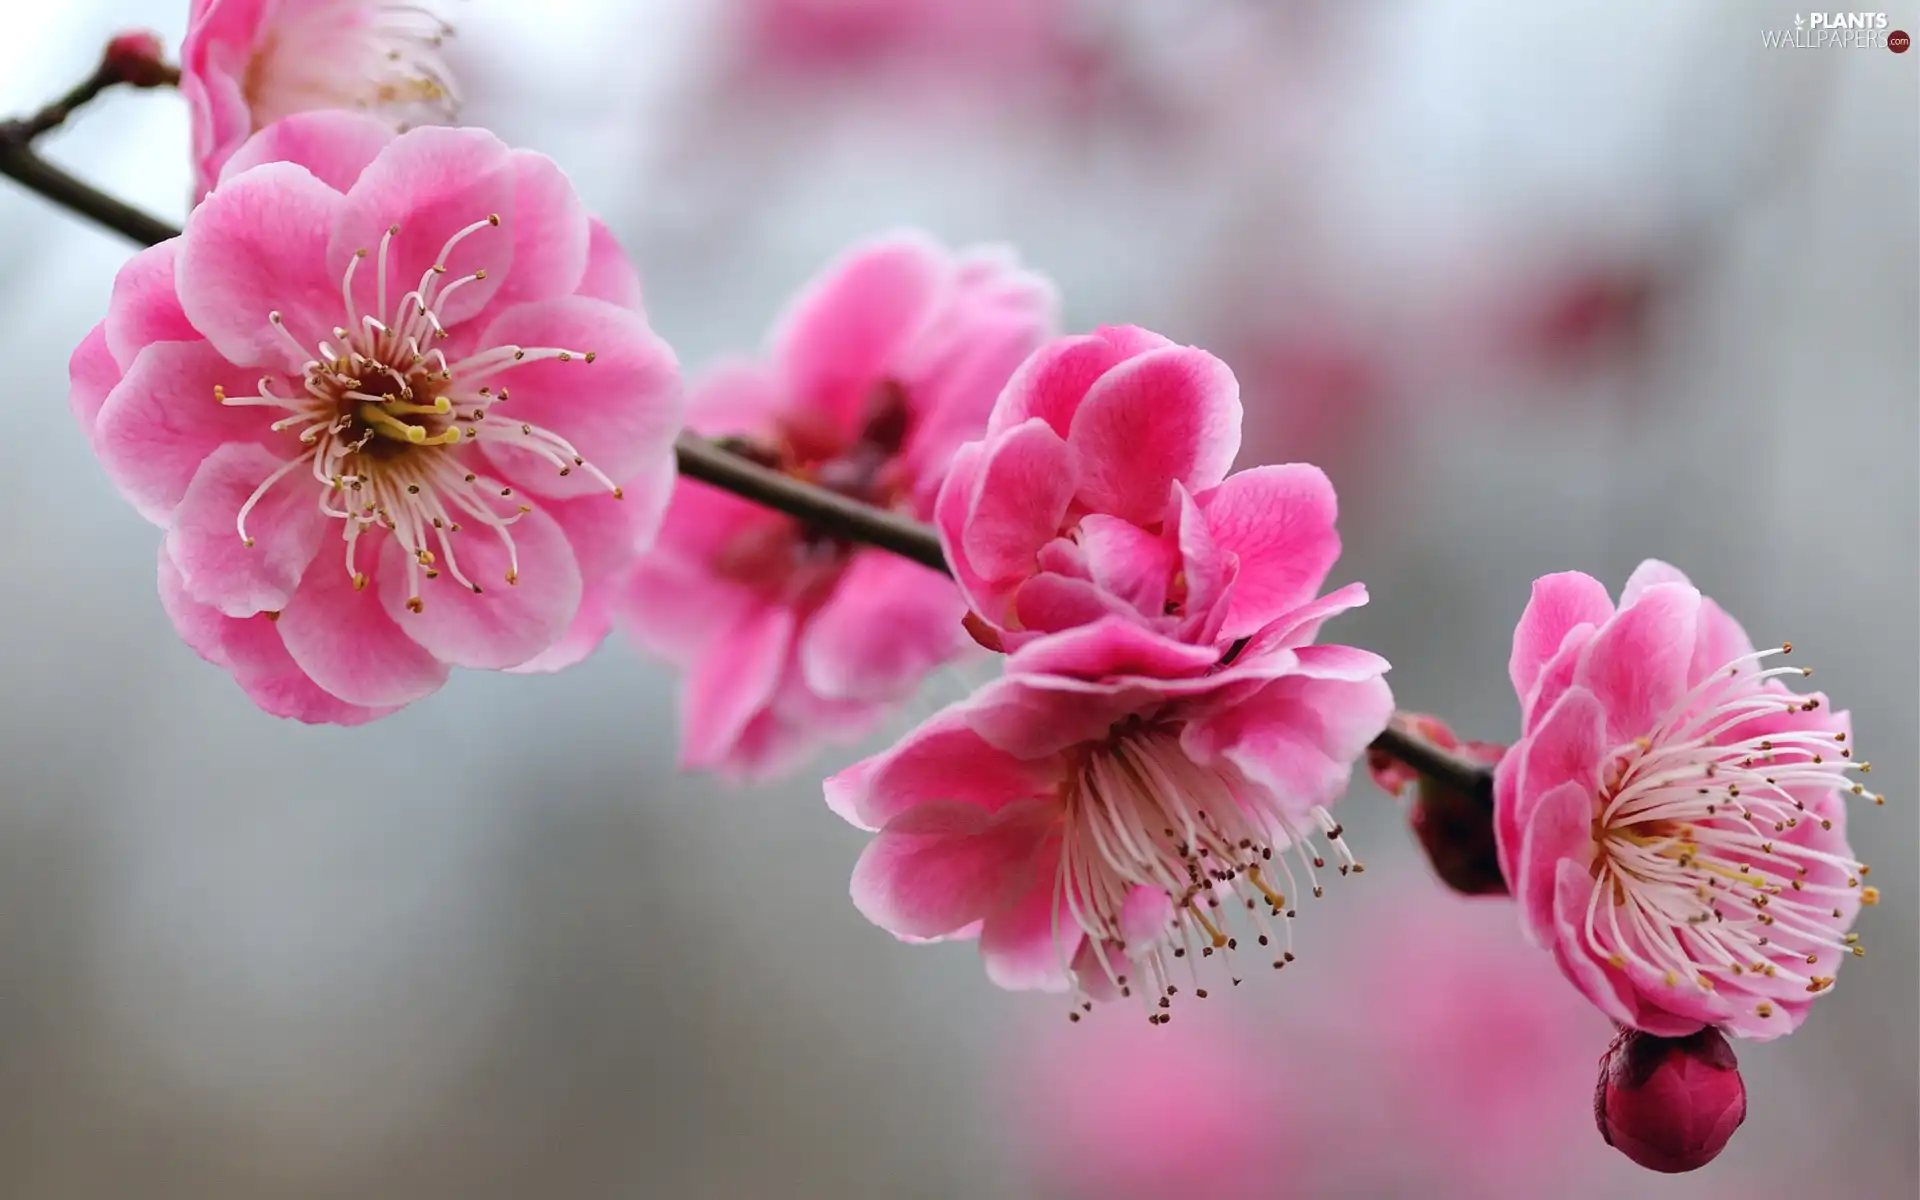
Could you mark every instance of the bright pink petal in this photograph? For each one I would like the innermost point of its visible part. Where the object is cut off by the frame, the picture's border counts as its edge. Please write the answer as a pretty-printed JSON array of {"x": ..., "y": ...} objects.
[
  {"x": 1112, "y": 647},
  {"x": 1051, "y": 603},
  {"x": 1020, "y": 493},
  {"x": 1559, "y": 603},
  {"x": 1302, "y": 625},
  {"x": 1129, "y": 563},
  {"x": 1209, "y": 573},
  {"x": 259, "y": 246},
  {"x": 990, "y": 601},
  {"x": 1297, "y": 737},
  {"x": 92, "y": 374},
  {"x": 942, "y": 760},
  {"x": 505, "y": 623},
  {"x": 432, "y": 183},
  {"x": 610, "y": 275},
  {"x": 1055, "y": 379},
  {"x": 1637, "y": 663},
  {"x": 344, "y": 640},
  {"x": 145, "y": 306},
  {"x": 938, "y": 867},
  {"x": 1602, "y": 983},
  {"x": 1169, "y": 415},
  {"x": 1556, "y": 676},
  {"x": 259, "y": 573},
  {"x": 840, "y": 336},
  {"x": 734, "y": 681},
  {"x": 202, "y": 627},
  {"x": 333, "y": 144},
  {"x": 1017, "y": 944},
  {"x": 1559, "y": 829},
  {"x": 602, "y": 533},
  {"x": 1507, "y": 827},
  {"x": 552, "y": 235},
  {"x": 621, "y": 411},
  {"x": 1568, "y": 747},
  {"x": 162, "y": 421},
  {"x": 919, "y": 611},
  {"x": 1280, "y": 522}
]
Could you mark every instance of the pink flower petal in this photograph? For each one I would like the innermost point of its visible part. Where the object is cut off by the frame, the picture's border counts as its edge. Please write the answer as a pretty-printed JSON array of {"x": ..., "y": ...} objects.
[
  {"x": 335, "y": 145},
  {"x": 1052, "y": 382},
  {"x": 202, "y": 627},
  {"x": 1112, "y": 647},
  {"x": 610, "y": 274},
  {"x": 1165, "y": 416},
  {"x": 1296, "y": 737},
  {"x": 1129, "y": 563},
  {"x": 1052, "y": 603},
  {"x": 1020, "y": 492},
  {"x": 552, "y": 235},
  {"x": 1302, "y": 625},
  {"x": 919, "y": 610},
  {"x": 162, "y": 421},
  {"x": 1651, "y": 573},
  {"x": 1280, "y": 522},
  {"x": 735, "y": 398},
  {"x": 1559, "y": 828},
  {"x": 145, "y": 306},
  {"x": 726, "y": 688},
  {"x": 1637, "y": 663},
  {"x": 1559, "y": 603},
  {"x": 345, "y": 642},
  {"x": 1017, "y": 943},
  {"x": 1569, "y": 746},
  {"x": 1556, "y": 676},
  {"x": 602, "y": 533},
  {"x": 255, "y": 247},
  {"x": 620, "y": 411},
  {"x": 1718, "y": 639},
  {"x": 504, "y": 624},
  {"x": 942, "y": 760},
  {"x": 92, "y": 374},
  {"x": 243, "y": 577},
  {"x": 938, "y": 867},
  {"x": 432, "y": 182},
  {"x": 1210, "y": 573}
]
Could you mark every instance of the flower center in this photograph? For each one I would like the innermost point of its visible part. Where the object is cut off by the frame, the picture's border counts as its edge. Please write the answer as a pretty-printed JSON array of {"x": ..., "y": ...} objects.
[
  {"x": 1702, "y": 836},
  {"x": 364, "y": 54},
  {"x": 386, "y": 425},
  {"x": 1158, "y": 850}
]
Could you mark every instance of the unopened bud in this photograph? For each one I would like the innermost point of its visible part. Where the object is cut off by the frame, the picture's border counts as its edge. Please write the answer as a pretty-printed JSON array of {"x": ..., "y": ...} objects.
[
  {"x": 1669, "y": 1104},
  {"x": 1454, "y": 828},
  {"x": 139, "y": 59}
]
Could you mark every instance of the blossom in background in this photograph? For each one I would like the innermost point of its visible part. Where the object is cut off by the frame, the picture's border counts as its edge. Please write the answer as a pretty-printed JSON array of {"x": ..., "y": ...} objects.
[
  {"x": 1671, "y": 819},
  {"x": 419, "y": 343},
  {"x": 1099, "y": 811},
  {"x": 1101, "y": 488},
  {"x": 790, "y": 636},
  {"x": 810, "y": 36},
  {"x": 247, "y": 63}
]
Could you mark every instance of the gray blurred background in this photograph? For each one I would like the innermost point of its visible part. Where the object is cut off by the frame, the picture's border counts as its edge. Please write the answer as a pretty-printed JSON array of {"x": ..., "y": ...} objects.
[{"x": 1543, "y": 286}]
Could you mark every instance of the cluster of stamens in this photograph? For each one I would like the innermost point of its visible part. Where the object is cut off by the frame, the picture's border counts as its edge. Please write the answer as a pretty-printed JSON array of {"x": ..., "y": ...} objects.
[
  {"x": 1140, "y": 813},
  {"x": 387, "y": 60},
  {"x": 383, "y": 420},
  {"x": 1700, "y": 876}
]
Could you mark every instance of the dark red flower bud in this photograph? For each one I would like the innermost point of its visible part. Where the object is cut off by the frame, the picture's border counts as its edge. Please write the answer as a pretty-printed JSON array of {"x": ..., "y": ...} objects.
[
  {"x": 1455, "y": 829},
  {"x": 139, "y": 59},
  {"x": 1669, "y": 1104}
]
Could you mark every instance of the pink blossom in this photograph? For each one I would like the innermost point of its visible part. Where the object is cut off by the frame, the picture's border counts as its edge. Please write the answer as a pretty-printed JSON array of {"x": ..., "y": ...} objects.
[
  {"x": 804, "y": 35},
  {"x": 421, "y": 343},
  {"x": 1098, "y": 811},
  {"x": 247, "y": 63},
  {"x": 882, "y": 367},
  {"x": 1101, "y": 488},
  {"x": 1671, "y": 818}
]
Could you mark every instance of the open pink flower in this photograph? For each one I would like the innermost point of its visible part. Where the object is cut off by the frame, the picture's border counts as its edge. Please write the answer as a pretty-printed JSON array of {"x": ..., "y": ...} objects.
[
  {"x": 883, "y": 366},
  {"x": 1102, "y": 488},
  {"x": 1098, "y": 811},
  {"x": 1671, "y": 818},
  {"x": 247, "y": 63},
  {"x": 419, "y": 343}
]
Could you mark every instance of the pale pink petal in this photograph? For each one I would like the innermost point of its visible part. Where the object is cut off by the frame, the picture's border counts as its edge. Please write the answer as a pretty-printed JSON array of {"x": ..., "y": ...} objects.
[
  {"x": 1034, "y": 717},
  {"x": 1338, "y": 662},
  {"x": 335, "y": 145},
  {"x": 344, "y": 640},
  {"x": 1020, "y": 492},
  {"x": 92, "y": 374},
  {"x": 735, "y": 398},
  {"x": 1017, "y": 944},
  {"x": 1559, "y": 603},
  {"x": 620, "y": 412},
  {"x": 1604, "y": 984},
  {"x": 219, "y": 43},
  {"x": 732, "y": 683},
  {"x": 1302, "y": 625},
  {"x": 1112, "y": 647},
  {"x": 145, "y": 306},
  {"x": 1296, "y": 737},
  {"x": 888, "y": 624},
  {"x": 603, "y": 533},
  {"x": 839, "y": 338},
  {"x": 1718, "y": 639},
  {"x": 1569, "y": 746},
  {"x": 273, "y": 681},
  {"x": 432, "y": 182},
  {"x": 1129, "y": 563},
  {"x": 259, "y": 246},
  {"x": 1651, "y": 573},
  {"x": 202, "y": 627},
  {"x": 944, "y": 759},
  {"x": 1556, "y": 675},
  {"x": 505, "y": 623},
  {"x": 1145, "y": 916},
  {"x": 1559, "y": 829},
  {"x": 259, "y": 573},
  {"x": 162, "y": 421},
  {"x": 989, "y": 601},
  {"x": 1052, "y": 382},
  {"x": 1637, "y": 663},
  {"x": 941, "y": 866},
  {"x": 677, "y": 610},
  {"x": 1165, "y": 416},
  {"x": 1279, "y": 521},
  {"x": 610, "y": 274}
]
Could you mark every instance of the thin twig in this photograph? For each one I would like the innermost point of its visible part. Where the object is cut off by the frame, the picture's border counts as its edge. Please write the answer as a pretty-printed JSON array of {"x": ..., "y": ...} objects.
[{"x": 701, "y": 459}]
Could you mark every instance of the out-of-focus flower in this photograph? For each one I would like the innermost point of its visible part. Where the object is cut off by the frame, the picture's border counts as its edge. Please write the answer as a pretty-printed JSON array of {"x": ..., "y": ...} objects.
[
  {"x": 1455, "y": 830},
  {"x": 247, "y": 63},
  {"x": 1669, "y": 1104},
  {"x": 1100, "y": 810},
  {"x": 1102, "y": 489},
  {"x": 809, "y": 36},
  {"x": 884, "y": 366},
  {"x": 419, "y": 343},
  {"x": 1671, "y": 819},
  {"x": 138, "y": 58}
]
